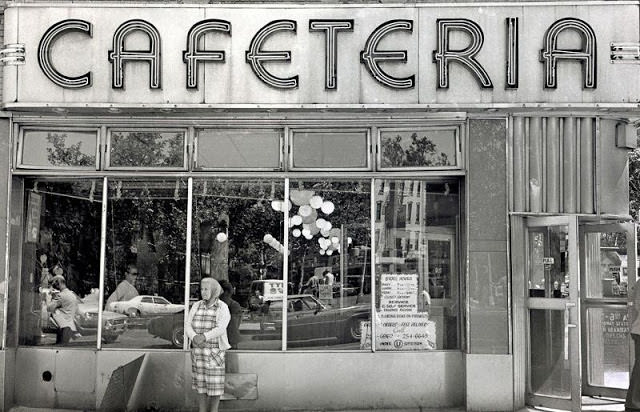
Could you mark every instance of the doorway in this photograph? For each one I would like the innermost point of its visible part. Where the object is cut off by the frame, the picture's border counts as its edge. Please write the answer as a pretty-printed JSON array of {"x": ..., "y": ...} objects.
[{"x": 575, "y": 340}]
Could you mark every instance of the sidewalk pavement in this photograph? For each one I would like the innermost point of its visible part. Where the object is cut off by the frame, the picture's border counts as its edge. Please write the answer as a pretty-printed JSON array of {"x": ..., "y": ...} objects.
[{"x": 590, "y": 405}]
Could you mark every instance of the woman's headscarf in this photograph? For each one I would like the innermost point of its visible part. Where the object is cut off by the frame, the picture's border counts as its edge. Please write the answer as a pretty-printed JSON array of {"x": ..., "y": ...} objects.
[{"x": 216, "y": 289}]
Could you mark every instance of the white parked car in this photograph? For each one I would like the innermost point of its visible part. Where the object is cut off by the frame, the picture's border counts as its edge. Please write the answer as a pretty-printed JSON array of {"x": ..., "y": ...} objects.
[{"x": 146, "y": 305}]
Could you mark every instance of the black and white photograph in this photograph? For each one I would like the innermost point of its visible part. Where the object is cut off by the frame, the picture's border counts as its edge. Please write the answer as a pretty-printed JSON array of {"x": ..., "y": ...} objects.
[{"x": 319, "y": 206}]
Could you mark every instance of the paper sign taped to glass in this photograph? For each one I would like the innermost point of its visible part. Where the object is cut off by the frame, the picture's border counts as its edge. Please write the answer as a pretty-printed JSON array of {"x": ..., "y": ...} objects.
[
  {"x": 399, "y": 323},
  {"x": 413, "y": 333}
]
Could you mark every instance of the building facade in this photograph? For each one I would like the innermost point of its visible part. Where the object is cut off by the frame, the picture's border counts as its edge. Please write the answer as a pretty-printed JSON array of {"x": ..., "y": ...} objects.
[{"x": 460, "y": 170}]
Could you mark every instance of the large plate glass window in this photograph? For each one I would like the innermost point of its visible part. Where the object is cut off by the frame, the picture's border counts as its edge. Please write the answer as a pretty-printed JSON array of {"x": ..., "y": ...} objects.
[
  {"x": 60, "y": 271},
  {"x": 329, "y": 265},
  {"x": 58, "y": 149},
  {"x": 345, "y": 149},
  {"x": 417, "y": 292},
  {"x": 419, "y": 148},
  {"x": 147, "y": 149},
  {"x": 239, "y": 149},
  {"x": 145, "y": 266},
  {"x": 237, "y": 239}
]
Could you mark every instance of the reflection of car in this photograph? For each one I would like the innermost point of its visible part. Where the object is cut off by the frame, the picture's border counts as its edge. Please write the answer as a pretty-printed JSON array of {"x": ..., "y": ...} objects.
[
  {"x": 145, "y": 305},
  {"x": 170, "y": 328},
  {"x": 308, "y": 320},
  {"x": 86, "y": 319}
]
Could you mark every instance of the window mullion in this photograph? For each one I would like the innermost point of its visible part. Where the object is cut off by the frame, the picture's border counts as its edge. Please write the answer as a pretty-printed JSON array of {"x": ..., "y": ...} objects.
[
  {"x": 285, "y": 264},
  {"x": 187, "y": 261},
  {"x": 103, "y": 250}
]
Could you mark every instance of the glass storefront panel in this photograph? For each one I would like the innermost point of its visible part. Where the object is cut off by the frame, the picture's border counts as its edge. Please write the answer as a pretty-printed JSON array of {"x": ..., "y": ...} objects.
[
  {"x": 237, "y": 239},
  {"x": 548, "y": 260},
  {"x": 62, "y": 148},
  {"x": 330, "y": 149},
  {"x": 421, "y": 148},
  {"x": 549, "y": 359},
  {"x": 60, "y": 276},
  {"x": 239, "y": 148},
  {"x": 145, "y": 265},
  {"x": 417, "y": 302},
  {"x": 153, "y": 149},
  {"x": 606, "y": 263},
  {"x": 329, "y": 265},
  {"x": 608, "y": 347}
]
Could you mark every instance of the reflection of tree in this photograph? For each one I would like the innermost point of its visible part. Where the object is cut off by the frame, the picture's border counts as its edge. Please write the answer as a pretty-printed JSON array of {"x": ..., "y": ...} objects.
[
  {"x": 247, "y": 204},
  {"x": 73, "y": 220},
  {"x": 147, "y": 149},
  {"x": 422, "y": 151},
  {"x": 147, "y": 226},
  {"x": 62, "y": 155}
]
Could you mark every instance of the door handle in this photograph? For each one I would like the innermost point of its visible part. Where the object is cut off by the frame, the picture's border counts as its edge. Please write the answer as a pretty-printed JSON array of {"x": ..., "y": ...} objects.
[{"x": 567, "y": 325}]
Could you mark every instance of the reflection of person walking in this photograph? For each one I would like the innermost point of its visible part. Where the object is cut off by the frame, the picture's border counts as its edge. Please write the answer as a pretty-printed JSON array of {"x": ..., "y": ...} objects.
[
  {"x": 632, "y": 403},
  {"x": 206, "y": 327}
]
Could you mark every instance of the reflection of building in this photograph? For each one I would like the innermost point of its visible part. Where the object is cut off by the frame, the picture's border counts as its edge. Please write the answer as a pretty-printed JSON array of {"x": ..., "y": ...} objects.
[{"x": 484, "y": 154}]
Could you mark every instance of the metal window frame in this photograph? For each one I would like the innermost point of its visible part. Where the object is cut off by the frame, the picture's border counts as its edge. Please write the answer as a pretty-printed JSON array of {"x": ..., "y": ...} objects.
[
  {"x": 457, "y": 129},
  {"x": 19, "y": 147},
  {"x": 319, "y": 130},
  {"x": 275, "y": 128},
  {"x": 108, "y": 145}
]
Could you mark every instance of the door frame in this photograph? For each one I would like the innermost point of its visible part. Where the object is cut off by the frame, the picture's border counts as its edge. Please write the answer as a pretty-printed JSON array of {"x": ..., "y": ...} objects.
[
  {"x": 630, "y": 229},
  {"x": 571, "y": 308},
  {"x": 521, "y": 305}
]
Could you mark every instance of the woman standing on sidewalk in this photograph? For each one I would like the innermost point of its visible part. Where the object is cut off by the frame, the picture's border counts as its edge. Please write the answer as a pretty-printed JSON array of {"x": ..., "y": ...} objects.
[{"x": 206, "y": 327}]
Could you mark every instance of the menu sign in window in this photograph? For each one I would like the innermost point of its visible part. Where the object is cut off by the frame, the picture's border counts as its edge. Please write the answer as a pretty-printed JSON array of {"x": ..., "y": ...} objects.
[{"x": 399, "y": 325}]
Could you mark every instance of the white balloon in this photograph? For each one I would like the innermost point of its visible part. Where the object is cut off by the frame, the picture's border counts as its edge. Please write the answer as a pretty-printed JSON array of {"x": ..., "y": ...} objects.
[
  {"x": 324, "y": 232},
  {"x": 327, "y": 207},
  {"x": 329, "y": 252},
  {"x": 314, "y": 229},
  {"x": 267, "y": 238},
  {"x": 276, "y": 205},
  {"x": 311, "y": 218},
  {"x": 305, "y": 210},
  {"x": 327, "y": 225},
  {"x": 349, "y": 240},
  {"x": 315, "y": 202},
  {"x": 322, "y": 251},
  {"x": 296, "y": 232},
  {"x": 320, "y": 223},
  {"x": 296, "y": 220},
  {"x": 300, "y": 197},
  {"x": 221, "y": 237},
  {"x": 309, "y": 237},
  {"x": 306, "y": 233},
  {"x": 335, "y": 240}
]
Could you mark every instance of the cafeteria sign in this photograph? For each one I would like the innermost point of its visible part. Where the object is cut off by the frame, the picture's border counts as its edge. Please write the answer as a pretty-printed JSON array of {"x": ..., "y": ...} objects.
[{"x": 339, "y": 54}]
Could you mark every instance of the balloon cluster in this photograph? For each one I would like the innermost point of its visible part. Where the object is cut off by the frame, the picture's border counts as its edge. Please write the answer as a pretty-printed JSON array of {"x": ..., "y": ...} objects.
[{"x": 306, "y": 222}]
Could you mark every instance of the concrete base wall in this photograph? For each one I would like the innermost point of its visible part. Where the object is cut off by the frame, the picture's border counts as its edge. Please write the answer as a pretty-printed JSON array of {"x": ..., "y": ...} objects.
[
  {"x": 133, "y": 380},
  {"x": 489, "y": 383}
]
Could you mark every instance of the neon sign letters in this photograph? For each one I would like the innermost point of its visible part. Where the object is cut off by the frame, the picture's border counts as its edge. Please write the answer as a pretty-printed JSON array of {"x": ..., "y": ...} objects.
[{"x": 371, "y": 56}]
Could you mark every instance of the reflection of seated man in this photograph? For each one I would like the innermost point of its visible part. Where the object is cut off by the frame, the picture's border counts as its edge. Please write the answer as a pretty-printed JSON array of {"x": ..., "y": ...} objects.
[
  {"x": 255, "y": 301},
  {"x": 297, "y": 306},
  {"x": 63, "y": 307},
  {"x": 126, "y": 289}
]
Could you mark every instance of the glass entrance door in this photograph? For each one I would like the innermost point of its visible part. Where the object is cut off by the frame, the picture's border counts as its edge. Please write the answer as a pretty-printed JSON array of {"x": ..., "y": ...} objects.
[
  {"x": 554, "y": 372},
  {"x": 608, "y": 264}
]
